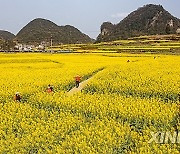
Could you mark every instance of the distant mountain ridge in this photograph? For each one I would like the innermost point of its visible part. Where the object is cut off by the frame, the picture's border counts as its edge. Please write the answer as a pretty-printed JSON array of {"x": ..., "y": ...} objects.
[
  {"x": 5, "y": 35},
  {"x": 147, "y": 20},
  {"x": 39, "y": 30}
]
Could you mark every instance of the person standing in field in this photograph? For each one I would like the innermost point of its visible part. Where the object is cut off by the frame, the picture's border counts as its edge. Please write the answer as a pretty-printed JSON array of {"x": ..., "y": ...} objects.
[
  {"x": 17, "y": 97},
  {"x": 50, "y": 88},
  {"x": 77, "y": 80}
]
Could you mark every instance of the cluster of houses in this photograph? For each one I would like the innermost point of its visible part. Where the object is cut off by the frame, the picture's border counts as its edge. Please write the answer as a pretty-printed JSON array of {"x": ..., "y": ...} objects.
[
  {"x": 24, "y": 47},
  {"x": 42, "y": 47},
  {"x": 29, "y": 48},
  {"x": 178, "y": 31}
]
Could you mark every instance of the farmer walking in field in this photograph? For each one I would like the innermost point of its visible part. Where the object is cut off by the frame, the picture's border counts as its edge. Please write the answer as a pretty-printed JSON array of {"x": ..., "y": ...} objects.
[
  {"x": 50, "y": 88},
  {"x": 77, "y": 79},
  {"x": 17, "y": 97}
]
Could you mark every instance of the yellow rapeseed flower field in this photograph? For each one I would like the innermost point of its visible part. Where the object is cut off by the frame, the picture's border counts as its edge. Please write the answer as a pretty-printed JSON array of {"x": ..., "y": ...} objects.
[{"x": 132, "y": 96}]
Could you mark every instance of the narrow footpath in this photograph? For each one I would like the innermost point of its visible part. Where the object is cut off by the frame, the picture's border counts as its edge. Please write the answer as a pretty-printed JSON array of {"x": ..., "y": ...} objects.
[{"x": 81, "y": 86}]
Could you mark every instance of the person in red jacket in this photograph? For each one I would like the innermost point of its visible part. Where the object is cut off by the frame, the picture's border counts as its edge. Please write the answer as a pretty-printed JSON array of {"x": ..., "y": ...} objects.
[
  {"x": 77, "y": 79},
  {"x": 17, "y": 97}
]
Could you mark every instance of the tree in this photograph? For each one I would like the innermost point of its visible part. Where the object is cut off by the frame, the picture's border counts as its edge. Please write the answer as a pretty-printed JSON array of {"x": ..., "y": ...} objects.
[
  {"x": 168, "y": 29},
  {"x": 7, "y": 45}
]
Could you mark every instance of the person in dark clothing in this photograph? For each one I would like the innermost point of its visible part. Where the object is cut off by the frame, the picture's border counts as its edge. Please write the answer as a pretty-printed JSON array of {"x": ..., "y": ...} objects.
[
  {"x": 77, "y": 79},
  {"x": 17, "y": 97},
  {"x": 50, "y": 88}
]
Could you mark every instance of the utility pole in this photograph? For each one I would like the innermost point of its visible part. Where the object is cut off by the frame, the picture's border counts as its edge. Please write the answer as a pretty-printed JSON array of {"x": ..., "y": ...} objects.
[{"x": 51, "y": 45}]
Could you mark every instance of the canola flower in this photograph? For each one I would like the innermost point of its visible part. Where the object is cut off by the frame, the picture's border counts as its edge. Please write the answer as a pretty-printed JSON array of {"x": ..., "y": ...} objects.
[{"x": 115, "y": 113}]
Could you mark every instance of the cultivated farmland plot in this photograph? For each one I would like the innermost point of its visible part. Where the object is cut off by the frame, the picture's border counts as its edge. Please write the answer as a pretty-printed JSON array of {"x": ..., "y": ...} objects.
[{"x": 129, "y": 98}]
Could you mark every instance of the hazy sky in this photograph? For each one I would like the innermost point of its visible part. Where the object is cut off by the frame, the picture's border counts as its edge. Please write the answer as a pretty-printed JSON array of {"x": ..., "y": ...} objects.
[{"x": 86, "y": 15}]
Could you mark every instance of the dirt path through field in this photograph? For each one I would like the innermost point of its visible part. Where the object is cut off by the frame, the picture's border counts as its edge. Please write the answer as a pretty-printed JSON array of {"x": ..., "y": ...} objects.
[{"x": 81, "y": 86}]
